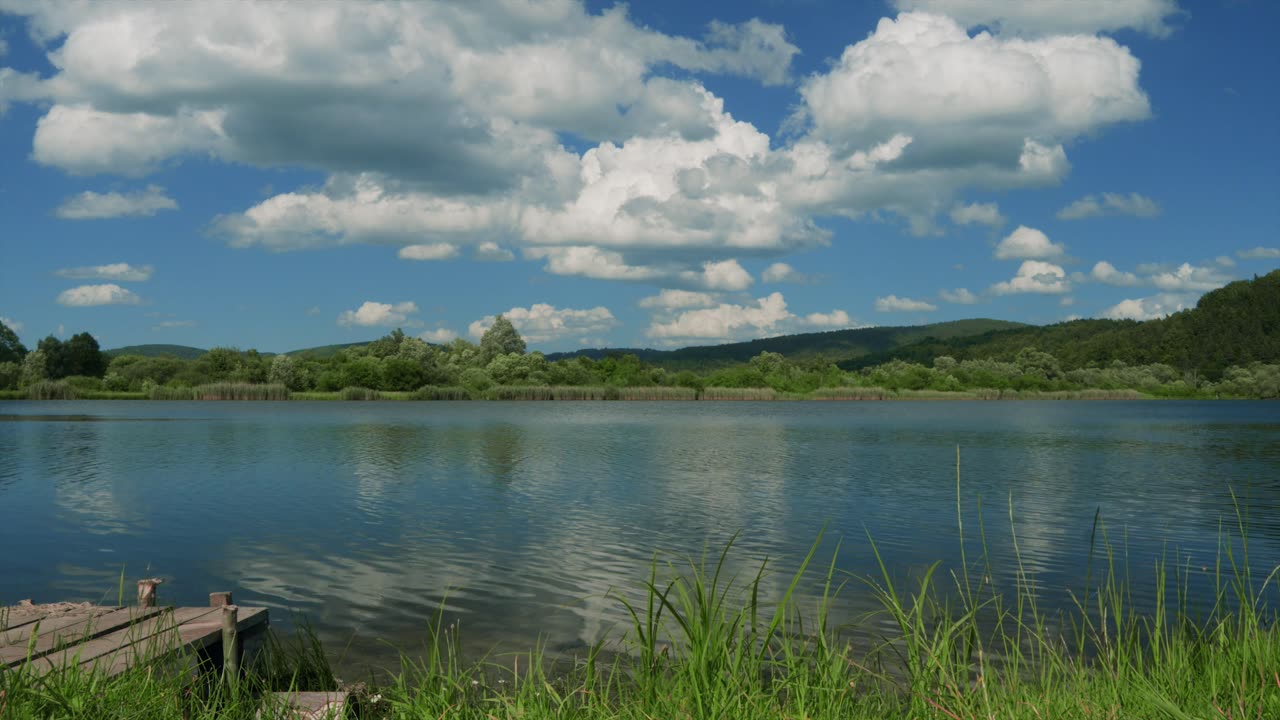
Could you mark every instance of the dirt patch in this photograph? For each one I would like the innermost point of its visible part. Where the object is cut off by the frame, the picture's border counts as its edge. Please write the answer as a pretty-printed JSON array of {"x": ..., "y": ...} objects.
[{"x": 26, "y": 610}]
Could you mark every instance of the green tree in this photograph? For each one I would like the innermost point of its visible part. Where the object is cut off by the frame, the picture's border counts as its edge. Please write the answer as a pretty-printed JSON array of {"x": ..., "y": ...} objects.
[
  {"x": 10, "y": 375},
  {"x": 34, "y": 368},
  {"x": 501, "y": 339},
  {"x": 11, "y": 348},
  {"x": 83, "y": 356}
]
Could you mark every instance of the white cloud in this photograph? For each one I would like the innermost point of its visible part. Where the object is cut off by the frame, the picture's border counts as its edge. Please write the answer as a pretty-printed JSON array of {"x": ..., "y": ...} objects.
[
  {"x": 833, "y": 319},
  {"x": 981, "y": 213},
  {"x": 541, "y": 323},
  {"x": 1055, "y": 16},
  {"x": 676, "y": 299},
  {"x": 1066, "y": 301},
  {"x": 967, "y": 98},
  {"x": 439, "y": 336},
  {"x": 1148, "y": 308},
  {"x": 376, "y": 314},
  {"x": 90, "y": 205},
  {"x": 432, "y": 251},
  {"x": 172, "y": 324},
  {"x": 1105, "y": 272},
  {"x": 893, "y": 303},
  {"x": 443, "y": 123},
  {"x": 783, "y": 273},
  {"x": 1110, "y": 204},
  {"x": 490, "y": 251},
  {"x": 91, "y": 295},
  {"x": 1028, "y": 243},
  {"x": 959, "y": 296},
  {"x": 725, "y": 321},
  {"x": 1225, "y": 261},
  {"x": 1259, "y": 253},
  {"x": 1190, "y": 277},
  {"x": 1035, "y": 276},
  {"x": 12, "y": 324},
  {"x": 120, "y": 272}
]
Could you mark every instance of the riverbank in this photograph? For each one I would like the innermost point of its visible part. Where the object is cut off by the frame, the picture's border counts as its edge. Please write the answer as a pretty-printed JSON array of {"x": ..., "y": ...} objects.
[
  {"x": 246, "y": 391},
  {"x": 704, "y": 645}
]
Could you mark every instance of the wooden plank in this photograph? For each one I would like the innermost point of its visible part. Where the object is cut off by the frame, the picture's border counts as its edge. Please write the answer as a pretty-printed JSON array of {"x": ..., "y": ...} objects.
[
  {"x": 166, "y": 638},
  {"x": 160, "y": 625},
  {"x": 304, "y": 706},
  {"x": 8, "y": 621},
  {"x": 61, "y": 630},
  {"x": 20, "y": 633},
  {"x": 196, "y": 628}
]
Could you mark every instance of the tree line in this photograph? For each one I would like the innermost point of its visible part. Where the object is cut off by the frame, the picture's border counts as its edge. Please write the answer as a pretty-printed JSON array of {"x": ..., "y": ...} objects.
[{"x": 401, "y": 363}]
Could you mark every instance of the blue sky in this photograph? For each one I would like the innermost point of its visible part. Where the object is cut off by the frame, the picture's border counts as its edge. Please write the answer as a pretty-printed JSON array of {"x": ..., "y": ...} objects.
[{"x": 283, "y": 175}]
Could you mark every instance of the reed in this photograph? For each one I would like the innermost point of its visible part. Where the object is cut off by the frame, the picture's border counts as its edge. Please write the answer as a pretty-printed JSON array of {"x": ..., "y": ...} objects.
[
  {"x": 853, "y": 393},
  {"x": 588, "y": 392},
  {"x": 724, "y": 393},
  {"x": 241, "y": 391},
  {"x": 440, "y": 392},
  {"x": 52, "y": 390},
  {"x": 359, "y": 393},
  {"x": 162, "y": 392}
]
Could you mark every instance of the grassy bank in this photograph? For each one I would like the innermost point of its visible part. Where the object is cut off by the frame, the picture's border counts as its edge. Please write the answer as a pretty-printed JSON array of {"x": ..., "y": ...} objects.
[
  {"x": 704, "y": 644},
  {"x": 59, "y": 390}
]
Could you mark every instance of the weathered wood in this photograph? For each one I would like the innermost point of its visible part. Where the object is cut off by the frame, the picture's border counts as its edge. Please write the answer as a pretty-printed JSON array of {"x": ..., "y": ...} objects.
[
  {"x": 304, "y": 706},
  {"x": 147, "y": 591},
  {"x": 21, "y": 634},
  {"x": 12, "y": 621},
  {"x": 83, "y": 630},
  {"x": 230, "y": 642},
  {"x": 219, "y": 599},
  {"x": 87, "y": 653}
]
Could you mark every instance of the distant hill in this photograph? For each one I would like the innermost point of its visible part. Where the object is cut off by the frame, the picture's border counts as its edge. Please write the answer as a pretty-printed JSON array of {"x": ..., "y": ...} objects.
[
  {"x": 835, "y": 345},
  {"x": 325, "y": 351},
  {"x": 1234, "y": 325},
  {"x": 184, "y": 352}
]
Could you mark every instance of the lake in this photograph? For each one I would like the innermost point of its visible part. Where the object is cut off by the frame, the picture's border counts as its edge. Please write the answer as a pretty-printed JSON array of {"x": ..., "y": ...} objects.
[{"x": 519, "y": 520}]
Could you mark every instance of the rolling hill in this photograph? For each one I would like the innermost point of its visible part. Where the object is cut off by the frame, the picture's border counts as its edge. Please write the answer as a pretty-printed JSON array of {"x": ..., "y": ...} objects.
[
  {"x": 183, "y": 352},
  {"x": 1234, "y": 325},
  {"x": 835, "y": 345}
]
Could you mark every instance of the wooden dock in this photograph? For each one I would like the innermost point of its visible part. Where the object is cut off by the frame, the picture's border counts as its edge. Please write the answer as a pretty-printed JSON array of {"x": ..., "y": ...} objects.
[{"x": 112, "y": 638}]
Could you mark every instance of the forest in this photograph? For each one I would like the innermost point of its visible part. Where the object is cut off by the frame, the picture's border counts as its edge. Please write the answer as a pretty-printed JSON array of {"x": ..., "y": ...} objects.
[{"x": 1227, "y": 346}]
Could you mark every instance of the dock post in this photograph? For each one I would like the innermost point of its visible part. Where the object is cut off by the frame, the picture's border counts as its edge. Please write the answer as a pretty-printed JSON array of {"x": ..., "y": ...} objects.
[
  {"x": 219, "y": 599},
  {"x": 230, "y": 642},
  {"x": 147, "y": 592}
]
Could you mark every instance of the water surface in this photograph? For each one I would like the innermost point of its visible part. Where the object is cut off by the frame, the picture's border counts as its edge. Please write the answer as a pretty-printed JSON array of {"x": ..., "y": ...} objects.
[{"x": 520, "y": 519}]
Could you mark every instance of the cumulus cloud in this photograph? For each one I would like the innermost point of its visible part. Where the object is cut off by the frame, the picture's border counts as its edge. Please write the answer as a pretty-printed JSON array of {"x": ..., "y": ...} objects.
[
  {"x": 439, "y": 336},
  {"x": 1105, "y": 272},
  {"x": 434, "y": 123},
  {"x": 725, "y": 321},
  {"x": 90, "y": 205},
  {"x": 893, "y": 303},
  {"x": 431, "y": 251},
  {"x": 959, "y": 296},
  {"x": 783, "y": 273},
  {"x": 1110, "y": 204},
  {"x": 1259, "y": 253},
  {"x": 120, "y": 272},
  {"x": 376, "y": 314},
  {"x": 1190, "y": 277},
  {"x": 1035, "y": 276},
  {"x": 833, "y": 319},
  {"x": 1055, "y": 16},
  {"x": 981, "y": 213},
  {"x": 1148, "y": 308},
  {"x": 91, "y": 295},
  {"x": 1028, "y": 243},
  {"x": 541, "y": 323},
  {"x": 676, "y": 299},
  {"x": 490, "y": 251},
  {"x": 970, "y": 98},
  {"x": 12, "y": 324}
]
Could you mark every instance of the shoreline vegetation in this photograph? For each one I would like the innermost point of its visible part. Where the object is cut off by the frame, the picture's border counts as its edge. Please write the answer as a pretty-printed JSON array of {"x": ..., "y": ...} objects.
[
  {"x": 61, "y": 390},
  {"x": 1228, "y": 347},
  {"x": 702, "y": 643}
]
